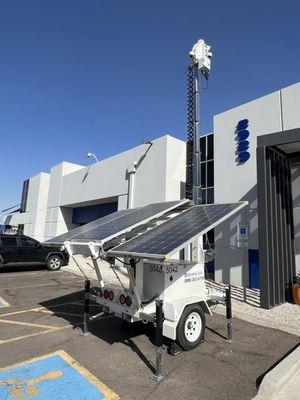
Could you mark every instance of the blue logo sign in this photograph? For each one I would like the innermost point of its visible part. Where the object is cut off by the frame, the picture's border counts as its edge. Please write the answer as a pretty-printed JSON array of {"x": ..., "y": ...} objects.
[{"x": 242, "y": 146}]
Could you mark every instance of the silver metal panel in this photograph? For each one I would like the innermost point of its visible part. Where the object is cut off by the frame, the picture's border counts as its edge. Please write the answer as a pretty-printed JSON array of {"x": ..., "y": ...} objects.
[
  {"x": 176, "y": 233},
  {"x": 116, "y": 223}
]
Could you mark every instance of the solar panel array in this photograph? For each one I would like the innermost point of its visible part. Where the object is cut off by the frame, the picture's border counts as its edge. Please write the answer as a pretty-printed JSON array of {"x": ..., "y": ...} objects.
[
  {"x": 114, "y": 223},
  {"x": 178, "y": 231}
]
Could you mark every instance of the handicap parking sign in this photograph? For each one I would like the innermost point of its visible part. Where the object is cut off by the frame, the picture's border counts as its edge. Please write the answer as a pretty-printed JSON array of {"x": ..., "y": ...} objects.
[
  {"x": 55, "y": 376},
  {"x": 242, "y": 239}
]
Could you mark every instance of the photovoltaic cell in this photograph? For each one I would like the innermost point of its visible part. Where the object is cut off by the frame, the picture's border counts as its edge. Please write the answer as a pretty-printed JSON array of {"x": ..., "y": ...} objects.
[
  {"x": 115, "y": 223},
  {"x": 178, "y": 231},
  {"x": 84, "y": 228}
]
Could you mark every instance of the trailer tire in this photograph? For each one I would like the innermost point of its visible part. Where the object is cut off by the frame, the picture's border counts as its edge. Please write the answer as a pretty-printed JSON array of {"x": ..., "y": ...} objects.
[{"x": 191, "y": 327}]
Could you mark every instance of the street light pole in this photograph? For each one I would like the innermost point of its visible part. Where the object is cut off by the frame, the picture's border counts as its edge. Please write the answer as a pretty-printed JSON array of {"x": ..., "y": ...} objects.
[{"x": 89, "y": 155}]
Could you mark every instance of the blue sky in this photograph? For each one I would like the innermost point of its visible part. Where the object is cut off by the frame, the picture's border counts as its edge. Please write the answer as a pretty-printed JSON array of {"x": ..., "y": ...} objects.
[{"x": 102, "y": 75}]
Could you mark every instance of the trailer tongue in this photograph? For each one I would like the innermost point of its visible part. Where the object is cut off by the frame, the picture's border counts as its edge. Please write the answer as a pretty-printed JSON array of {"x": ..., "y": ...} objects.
[{"x": 161, "y": 247}]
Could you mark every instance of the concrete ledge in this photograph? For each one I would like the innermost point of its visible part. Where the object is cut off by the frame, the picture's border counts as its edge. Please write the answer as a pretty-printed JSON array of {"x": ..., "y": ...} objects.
[{"x": 280, "y": 376}]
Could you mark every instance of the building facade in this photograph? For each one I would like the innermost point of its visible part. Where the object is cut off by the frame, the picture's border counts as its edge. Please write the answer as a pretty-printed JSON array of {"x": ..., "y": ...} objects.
[
  {"x": 273, "y": 126},
  {"x": 71, "y": 195},
  {"x": 254, "y": 148}
]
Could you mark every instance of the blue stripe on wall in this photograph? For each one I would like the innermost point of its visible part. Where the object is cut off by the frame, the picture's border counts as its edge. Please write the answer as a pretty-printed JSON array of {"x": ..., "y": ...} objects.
[{"x": 83, "y": 215}]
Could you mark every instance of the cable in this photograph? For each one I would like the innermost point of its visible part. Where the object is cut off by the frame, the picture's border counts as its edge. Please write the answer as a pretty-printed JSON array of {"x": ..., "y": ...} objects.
[
  {"x": 123, "y": 262},
  {"x": 190, "y": 133},
  {"x": 149, "y": 301},
  {"x": 118, "y": 277},
  {"x": 86, "y": 278}
]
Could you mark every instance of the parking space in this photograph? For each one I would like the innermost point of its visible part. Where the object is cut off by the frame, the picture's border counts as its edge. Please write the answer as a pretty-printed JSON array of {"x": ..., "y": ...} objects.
[
  {"x": 43, "y": 322},
  {"x": 53, "y": 376}
]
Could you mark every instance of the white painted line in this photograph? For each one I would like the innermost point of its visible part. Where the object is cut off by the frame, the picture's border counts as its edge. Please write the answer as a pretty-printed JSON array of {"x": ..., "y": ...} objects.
[
  {"x": 36, "y": 334},
  {"x": 8, "y": 321},
  {"x": 4, "y": 302}
]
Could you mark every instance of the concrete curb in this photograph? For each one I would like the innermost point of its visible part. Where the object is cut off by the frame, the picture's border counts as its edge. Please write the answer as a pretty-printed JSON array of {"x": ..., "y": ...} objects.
[{"x": 278, "y": 378}]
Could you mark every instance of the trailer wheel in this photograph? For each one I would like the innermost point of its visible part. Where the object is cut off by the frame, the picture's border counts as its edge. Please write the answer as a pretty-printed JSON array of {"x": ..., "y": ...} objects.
[{"x": 191, "y": 326}]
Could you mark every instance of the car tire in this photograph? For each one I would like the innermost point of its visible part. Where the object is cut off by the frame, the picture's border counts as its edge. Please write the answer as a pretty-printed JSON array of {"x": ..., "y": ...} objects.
[
  {"x": 1, "y": 261},
  {"x": 191, "y": 327},
  {"x": 54, "y": 263}
]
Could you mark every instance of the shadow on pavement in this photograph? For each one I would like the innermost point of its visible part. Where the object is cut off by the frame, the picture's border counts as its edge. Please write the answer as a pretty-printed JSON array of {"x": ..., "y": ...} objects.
[
  {"x": 23, "y": 268},
  {"x": 107, "y": 327}
]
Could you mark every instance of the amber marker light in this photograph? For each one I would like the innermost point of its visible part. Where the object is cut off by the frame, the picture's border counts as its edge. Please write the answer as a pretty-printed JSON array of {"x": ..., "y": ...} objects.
[
  {"x": 122, "y": 299},
  {"x": 111, "y": 295}
]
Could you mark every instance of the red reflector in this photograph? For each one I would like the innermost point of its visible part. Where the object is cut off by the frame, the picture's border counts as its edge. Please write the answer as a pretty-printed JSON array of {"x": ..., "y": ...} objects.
[
  {"x": 128, "y": 301},
  {"x": 105, "y": 294}
]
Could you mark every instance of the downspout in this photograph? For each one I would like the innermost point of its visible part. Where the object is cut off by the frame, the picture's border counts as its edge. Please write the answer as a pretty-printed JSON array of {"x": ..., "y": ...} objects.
[
  {"x": 132, "y": 171},
  {"x": 281, "y": 112},
  {"x": 131, "y": 183}
]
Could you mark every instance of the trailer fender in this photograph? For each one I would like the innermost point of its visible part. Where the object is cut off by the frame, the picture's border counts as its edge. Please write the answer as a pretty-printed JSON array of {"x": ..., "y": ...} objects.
[
  {"x": 171, "y": 312},
  {"x": 174, "y": 309},
  {"x": 205, "y": 307}
]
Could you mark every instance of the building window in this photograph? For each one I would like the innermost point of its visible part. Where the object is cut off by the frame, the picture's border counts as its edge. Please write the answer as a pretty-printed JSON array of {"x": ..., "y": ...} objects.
[
  {"x": 210, "y": 174},
  {"x": 24, "y": 196},
  {"x": 207, "y": 169}
]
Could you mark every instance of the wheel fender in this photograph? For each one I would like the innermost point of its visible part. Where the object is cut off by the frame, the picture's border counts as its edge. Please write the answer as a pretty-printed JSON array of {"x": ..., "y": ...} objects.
[
  {"x": 173, "y": 311},
  {"x": 205, "y": 307},
  {"x": 170, "y": 312},
  {"x": 54, "y": 254}
]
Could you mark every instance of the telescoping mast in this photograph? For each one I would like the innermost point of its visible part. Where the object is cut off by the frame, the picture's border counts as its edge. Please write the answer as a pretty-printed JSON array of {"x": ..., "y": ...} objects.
[{"x": 200, "y": 66}]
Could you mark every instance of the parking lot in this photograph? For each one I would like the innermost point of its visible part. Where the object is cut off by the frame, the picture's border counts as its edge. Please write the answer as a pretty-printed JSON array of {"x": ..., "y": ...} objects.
[{"x": 40, "y": 327}]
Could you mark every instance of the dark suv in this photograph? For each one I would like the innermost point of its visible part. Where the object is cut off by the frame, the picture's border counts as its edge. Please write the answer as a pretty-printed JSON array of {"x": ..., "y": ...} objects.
[{"x": 19, "y": 249}]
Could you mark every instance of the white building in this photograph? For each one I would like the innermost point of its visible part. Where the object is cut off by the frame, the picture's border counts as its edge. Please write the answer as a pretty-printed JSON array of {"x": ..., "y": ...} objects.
[{"x": 72, "y": 194}]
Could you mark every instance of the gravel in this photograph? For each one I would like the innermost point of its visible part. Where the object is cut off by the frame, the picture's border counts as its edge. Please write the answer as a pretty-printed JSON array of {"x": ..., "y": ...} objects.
[
  {"x": 245, "y": 306},
  {"x": 108, "y": 275}
]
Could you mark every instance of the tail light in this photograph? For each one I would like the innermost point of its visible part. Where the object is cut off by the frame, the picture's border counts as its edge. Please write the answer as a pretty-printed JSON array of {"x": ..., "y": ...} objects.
[
  {"x": 105, "y": 294},
  {"x": 128, "y": 301}
]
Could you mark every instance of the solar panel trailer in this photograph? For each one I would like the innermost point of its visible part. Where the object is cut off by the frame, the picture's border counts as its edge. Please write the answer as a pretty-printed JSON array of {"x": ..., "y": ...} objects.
[{"x": 147, "y": 241}]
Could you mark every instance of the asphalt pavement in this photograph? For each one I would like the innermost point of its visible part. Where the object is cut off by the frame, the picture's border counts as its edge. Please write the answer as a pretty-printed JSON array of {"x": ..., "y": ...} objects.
[{"x": 41, "y": 315}]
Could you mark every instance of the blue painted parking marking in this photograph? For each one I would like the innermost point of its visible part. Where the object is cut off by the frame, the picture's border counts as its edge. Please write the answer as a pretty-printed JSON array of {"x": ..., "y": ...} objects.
[
  {"x": 3, "y": 303},
  {"x": 55, "y": 376}
]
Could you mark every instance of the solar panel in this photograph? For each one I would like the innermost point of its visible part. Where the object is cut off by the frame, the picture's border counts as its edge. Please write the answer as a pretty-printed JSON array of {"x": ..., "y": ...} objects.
[
  {"x": 84, "y": 228},
  {"x": 115, "y": 223},
  {"x": 178, "y": 232}
]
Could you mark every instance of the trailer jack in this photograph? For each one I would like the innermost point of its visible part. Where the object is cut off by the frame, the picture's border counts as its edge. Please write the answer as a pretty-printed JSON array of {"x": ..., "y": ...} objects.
[
  {"x": 86, "y": 311},
  {"x": 159, "y": 319}
]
